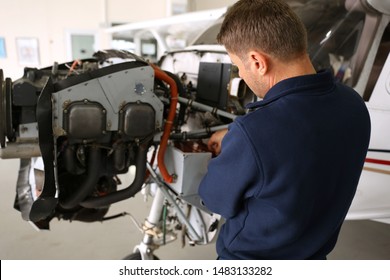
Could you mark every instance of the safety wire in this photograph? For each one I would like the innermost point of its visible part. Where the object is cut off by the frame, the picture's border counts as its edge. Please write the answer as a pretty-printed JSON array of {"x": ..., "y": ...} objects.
[{"x": 123, "y": 214}]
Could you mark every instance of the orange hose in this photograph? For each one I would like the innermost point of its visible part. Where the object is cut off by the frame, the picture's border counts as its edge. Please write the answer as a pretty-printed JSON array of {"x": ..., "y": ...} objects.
[{"x": 160, "y": 74}]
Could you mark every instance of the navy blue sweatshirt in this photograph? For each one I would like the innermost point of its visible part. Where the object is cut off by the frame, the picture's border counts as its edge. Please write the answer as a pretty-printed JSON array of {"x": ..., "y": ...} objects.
[{"x": 288, "y": 170}]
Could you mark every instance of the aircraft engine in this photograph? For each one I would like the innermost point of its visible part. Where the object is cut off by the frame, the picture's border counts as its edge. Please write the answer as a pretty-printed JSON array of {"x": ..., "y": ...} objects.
[{"x": 76, "y": 127}]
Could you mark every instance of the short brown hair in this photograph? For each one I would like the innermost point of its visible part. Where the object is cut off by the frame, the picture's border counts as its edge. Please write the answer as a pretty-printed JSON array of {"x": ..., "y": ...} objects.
[{"x": 270, "y": 26}]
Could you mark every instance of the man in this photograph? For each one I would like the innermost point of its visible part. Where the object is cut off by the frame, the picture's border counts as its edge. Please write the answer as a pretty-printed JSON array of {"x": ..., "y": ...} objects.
[{"x": 288, "y": 170}]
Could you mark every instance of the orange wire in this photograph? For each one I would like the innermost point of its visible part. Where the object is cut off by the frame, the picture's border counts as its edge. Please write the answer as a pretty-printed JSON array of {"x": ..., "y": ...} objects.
[{"x": 74, "y": 64}]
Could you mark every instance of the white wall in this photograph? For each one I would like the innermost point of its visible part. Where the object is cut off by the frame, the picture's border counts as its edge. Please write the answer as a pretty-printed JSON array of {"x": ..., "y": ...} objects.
[
  {"x": 48, "y": 21},
  {"x": 126, "y": 11},
  {"x": 199, "y": 5},
  {"x": 51, "y": 22}
]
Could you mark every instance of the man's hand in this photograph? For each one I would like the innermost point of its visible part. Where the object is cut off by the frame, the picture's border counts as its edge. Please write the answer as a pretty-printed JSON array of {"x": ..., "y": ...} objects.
[{"x": 215, "y": 141}]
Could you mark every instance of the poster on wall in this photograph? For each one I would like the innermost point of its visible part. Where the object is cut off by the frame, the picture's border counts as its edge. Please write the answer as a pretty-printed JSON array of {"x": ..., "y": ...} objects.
[
  {"x": 3, "y": 54},
  {"x": 28, "y": 51}
]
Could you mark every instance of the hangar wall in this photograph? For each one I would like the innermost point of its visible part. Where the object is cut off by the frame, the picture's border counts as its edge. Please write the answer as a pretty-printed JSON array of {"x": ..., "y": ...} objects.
[
  {"x": 125, "y": 11},
  {"x": 198, "y": 5},
  {"x": 47, "y": 21},
  {"x": 52, "y": 21}
]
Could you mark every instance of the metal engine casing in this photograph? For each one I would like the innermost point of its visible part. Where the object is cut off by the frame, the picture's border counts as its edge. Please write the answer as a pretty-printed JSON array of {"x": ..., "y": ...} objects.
[{"x": 108, "y": 103}]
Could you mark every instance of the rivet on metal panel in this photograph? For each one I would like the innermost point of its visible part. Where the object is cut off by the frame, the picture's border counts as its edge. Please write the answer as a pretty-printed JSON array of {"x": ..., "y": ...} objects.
[{"x": 65, "y": 104}]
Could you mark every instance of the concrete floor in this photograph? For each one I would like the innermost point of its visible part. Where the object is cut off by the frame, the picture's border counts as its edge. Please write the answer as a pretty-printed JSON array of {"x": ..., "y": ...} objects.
[{"x": 114, "y": 239}]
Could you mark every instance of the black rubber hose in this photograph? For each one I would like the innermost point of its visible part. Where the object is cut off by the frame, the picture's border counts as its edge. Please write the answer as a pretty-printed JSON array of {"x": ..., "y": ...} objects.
[
  {"x": 130, "y": 191},
  {"x": 180, "y": 88},
  {"x": 93, "y": 175},
  {"x": 46, "y": 203},
  {"x": 71, "y": 162}
]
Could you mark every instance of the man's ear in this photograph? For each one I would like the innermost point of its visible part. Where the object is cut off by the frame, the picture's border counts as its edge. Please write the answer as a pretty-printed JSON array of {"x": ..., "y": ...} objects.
[{"x": 259, "y": 62}]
